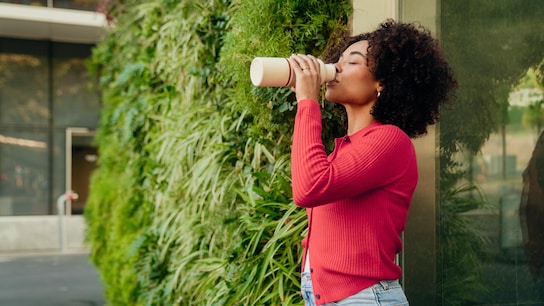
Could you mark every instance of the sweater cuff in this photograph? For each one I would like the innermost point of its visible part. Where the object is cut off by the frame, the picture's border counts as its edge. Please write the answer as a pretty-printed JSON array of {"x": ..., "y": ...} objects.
[{"x": 308, "y": 101}]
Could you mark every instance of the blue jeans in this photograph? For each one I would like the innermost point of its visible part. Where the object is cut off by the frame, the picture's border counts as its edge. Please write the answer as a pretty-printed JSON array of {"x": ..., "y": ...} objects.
[
  {"x": 384, "y": 293},
  {"x": 307, "y": 289}
]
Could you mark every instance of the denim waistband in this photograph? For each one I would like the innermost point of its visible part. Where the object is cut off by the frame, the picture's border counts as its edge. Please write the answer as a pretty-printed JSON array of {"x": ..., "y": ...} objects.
[{"x": 386, "y": 284}]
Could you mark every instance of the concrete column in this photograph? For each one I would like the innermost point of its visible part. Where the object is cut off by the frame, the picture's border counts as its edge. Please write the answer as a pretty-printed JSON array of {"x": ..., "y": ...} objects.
[
  {"x": 419, "y": 258},
  {"x": 367, "y": 14}
]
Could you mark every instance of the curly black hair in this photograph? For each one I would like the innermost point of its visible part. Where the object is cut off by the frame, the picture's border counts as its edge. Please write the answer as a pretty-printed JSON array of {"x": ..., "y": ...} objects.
[{"x": 410, "y": 66}]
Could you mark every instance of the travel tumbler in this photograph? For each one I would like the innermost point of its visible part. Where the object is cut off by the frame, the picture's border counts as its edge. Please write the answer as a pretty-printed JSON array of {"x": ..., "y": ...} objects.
[{"x": 277, "y": 72}]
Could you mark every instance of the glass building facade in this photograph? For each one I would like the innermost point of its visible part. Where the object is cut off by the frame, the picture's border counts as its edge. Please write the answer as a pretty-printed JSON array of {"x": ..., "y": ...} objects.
[
  {"x": 476, "y": 233},
  {"x": 85, "y": 5},
  {"x": 45, "y": 89}
]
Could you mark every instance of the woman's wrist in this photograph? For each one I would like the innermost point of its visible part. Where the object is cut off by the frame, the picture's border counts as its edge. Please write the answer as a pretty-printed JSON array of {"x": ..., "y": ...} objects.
[{"x": 307, "y": 100}]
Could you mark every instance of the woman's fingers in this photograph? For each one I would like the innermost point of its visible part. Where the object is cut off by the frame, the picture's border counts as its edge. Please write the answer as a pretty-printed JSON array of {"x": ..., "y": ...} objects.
[{"x": 306, "y": 70}]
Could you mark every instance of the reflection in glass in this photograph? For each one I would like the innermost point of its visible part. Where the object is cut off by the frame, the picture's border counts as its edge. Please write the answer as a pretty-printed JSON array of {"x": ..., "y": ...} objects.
[
  {"x": 37, "y": 104},
  {"x": 23, "y": 173},
  {"x": 75, "y": 100},
  {"x": 27, "y": 2},
  {"x": 24, "y": 102},
  {"x": 85, "y": 5},
  {"x": 489, "y": 192}
]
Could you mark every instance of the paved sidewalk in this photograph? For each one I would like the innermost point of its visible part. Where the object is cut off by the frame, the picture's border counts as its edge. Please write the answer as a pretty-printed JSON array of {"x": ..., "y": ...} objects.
[{"x": 49, "y": 280}]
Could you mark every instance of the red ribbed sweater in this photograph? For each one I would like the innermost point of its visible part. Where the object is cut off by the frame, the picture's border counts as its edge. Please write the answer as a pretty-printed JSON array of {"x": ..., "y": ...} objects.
[{"x": 357, "y": 201}]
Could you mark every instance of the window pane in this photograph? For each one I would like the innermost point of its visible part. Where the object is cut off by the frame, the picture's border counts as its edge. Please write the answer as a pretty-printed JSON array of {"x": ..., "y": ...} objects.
[
  {"x": 24, "y": 173},
  {"x": 87, "y": 5},
  {"x": 76, "y": 102},
  {"x": 489, "y": 197},
  {"x": 27, "y": 2},
  {"x": 58, "y": 183},
  {"x": 24, "y": 87}
]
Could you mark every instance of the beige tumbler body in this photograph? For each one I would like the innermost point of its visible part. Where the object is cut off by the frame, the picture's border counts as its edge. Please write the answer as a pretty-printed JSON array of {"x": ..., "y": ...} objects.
[{"x": 277, "y": 72}]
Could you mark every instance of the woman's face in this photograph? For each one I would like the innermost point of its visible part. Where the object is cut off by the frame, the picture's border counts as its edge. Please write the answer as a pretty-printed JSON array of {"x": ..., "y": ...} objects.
[{"x": 354, "y": 82}]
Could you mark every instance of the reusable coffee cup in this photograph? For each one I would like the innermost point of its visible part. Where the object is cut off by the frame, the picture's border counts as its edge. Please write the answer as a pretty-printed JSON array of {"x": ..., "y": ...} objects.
[{"x": 277, "y": 72}]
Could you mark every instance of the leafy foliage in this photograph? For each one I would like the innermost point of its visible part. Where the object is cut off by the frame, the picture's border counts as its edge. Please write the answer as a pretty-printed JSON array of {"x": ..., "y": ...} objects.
[
  {"x": 461, "y": 244},
  {"x": 191, "y": 204},
  {"x": 281, "y": 29}
]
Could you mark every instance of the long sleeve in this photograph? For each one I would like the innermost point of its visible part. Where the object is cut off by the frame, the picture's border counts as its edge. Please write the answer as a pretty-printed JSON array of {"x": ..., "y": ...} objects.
[{"x": 371, "y": 158}]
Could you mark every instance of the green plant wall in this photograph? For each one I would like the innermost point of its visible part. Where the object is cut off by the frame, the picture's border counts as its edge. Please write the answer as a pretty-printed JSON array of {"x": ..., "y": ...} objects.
[{"x": 191, "y": 204}]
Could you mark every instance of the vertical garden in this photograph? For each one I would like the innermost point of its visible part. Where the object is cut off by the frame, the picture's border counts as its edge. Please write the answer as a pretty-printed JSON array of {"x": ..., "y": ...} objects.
[{"x": 191, "y": 204}]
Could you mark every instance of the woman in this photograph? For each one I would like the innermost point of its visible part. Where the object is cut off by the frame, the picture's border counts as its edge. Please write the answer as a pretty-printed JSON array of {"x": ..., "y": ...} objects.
[{"x": 391, "y": 83}]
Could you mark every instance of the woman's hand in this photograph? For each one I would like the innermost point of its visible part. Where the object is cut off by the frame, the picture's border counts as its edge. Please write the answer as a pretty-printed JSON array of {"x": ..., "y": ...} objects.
[{"x": 308, "y": 78}]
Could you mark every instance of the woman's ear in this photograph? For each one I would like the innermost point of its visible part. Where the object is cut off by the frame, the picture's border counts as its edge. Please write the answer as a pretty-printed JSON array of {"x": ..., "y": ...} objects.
[{"x": 380, "y": 87}]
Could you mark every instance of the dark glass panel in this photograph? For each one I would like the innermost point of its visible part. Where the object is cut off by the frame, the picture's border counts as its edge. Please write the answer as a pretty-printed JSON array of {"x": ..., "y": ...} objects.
[
  {"x": 24, "y": 172},
  {"x": 26, "y": 2},
  {"x": 24, "y": 83},
  {"x": 58, "y": 184},
  {"x": 86, "y": 5},
  {"x": 75, "y": 99},
  {"x": 489, "y": 155}
]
